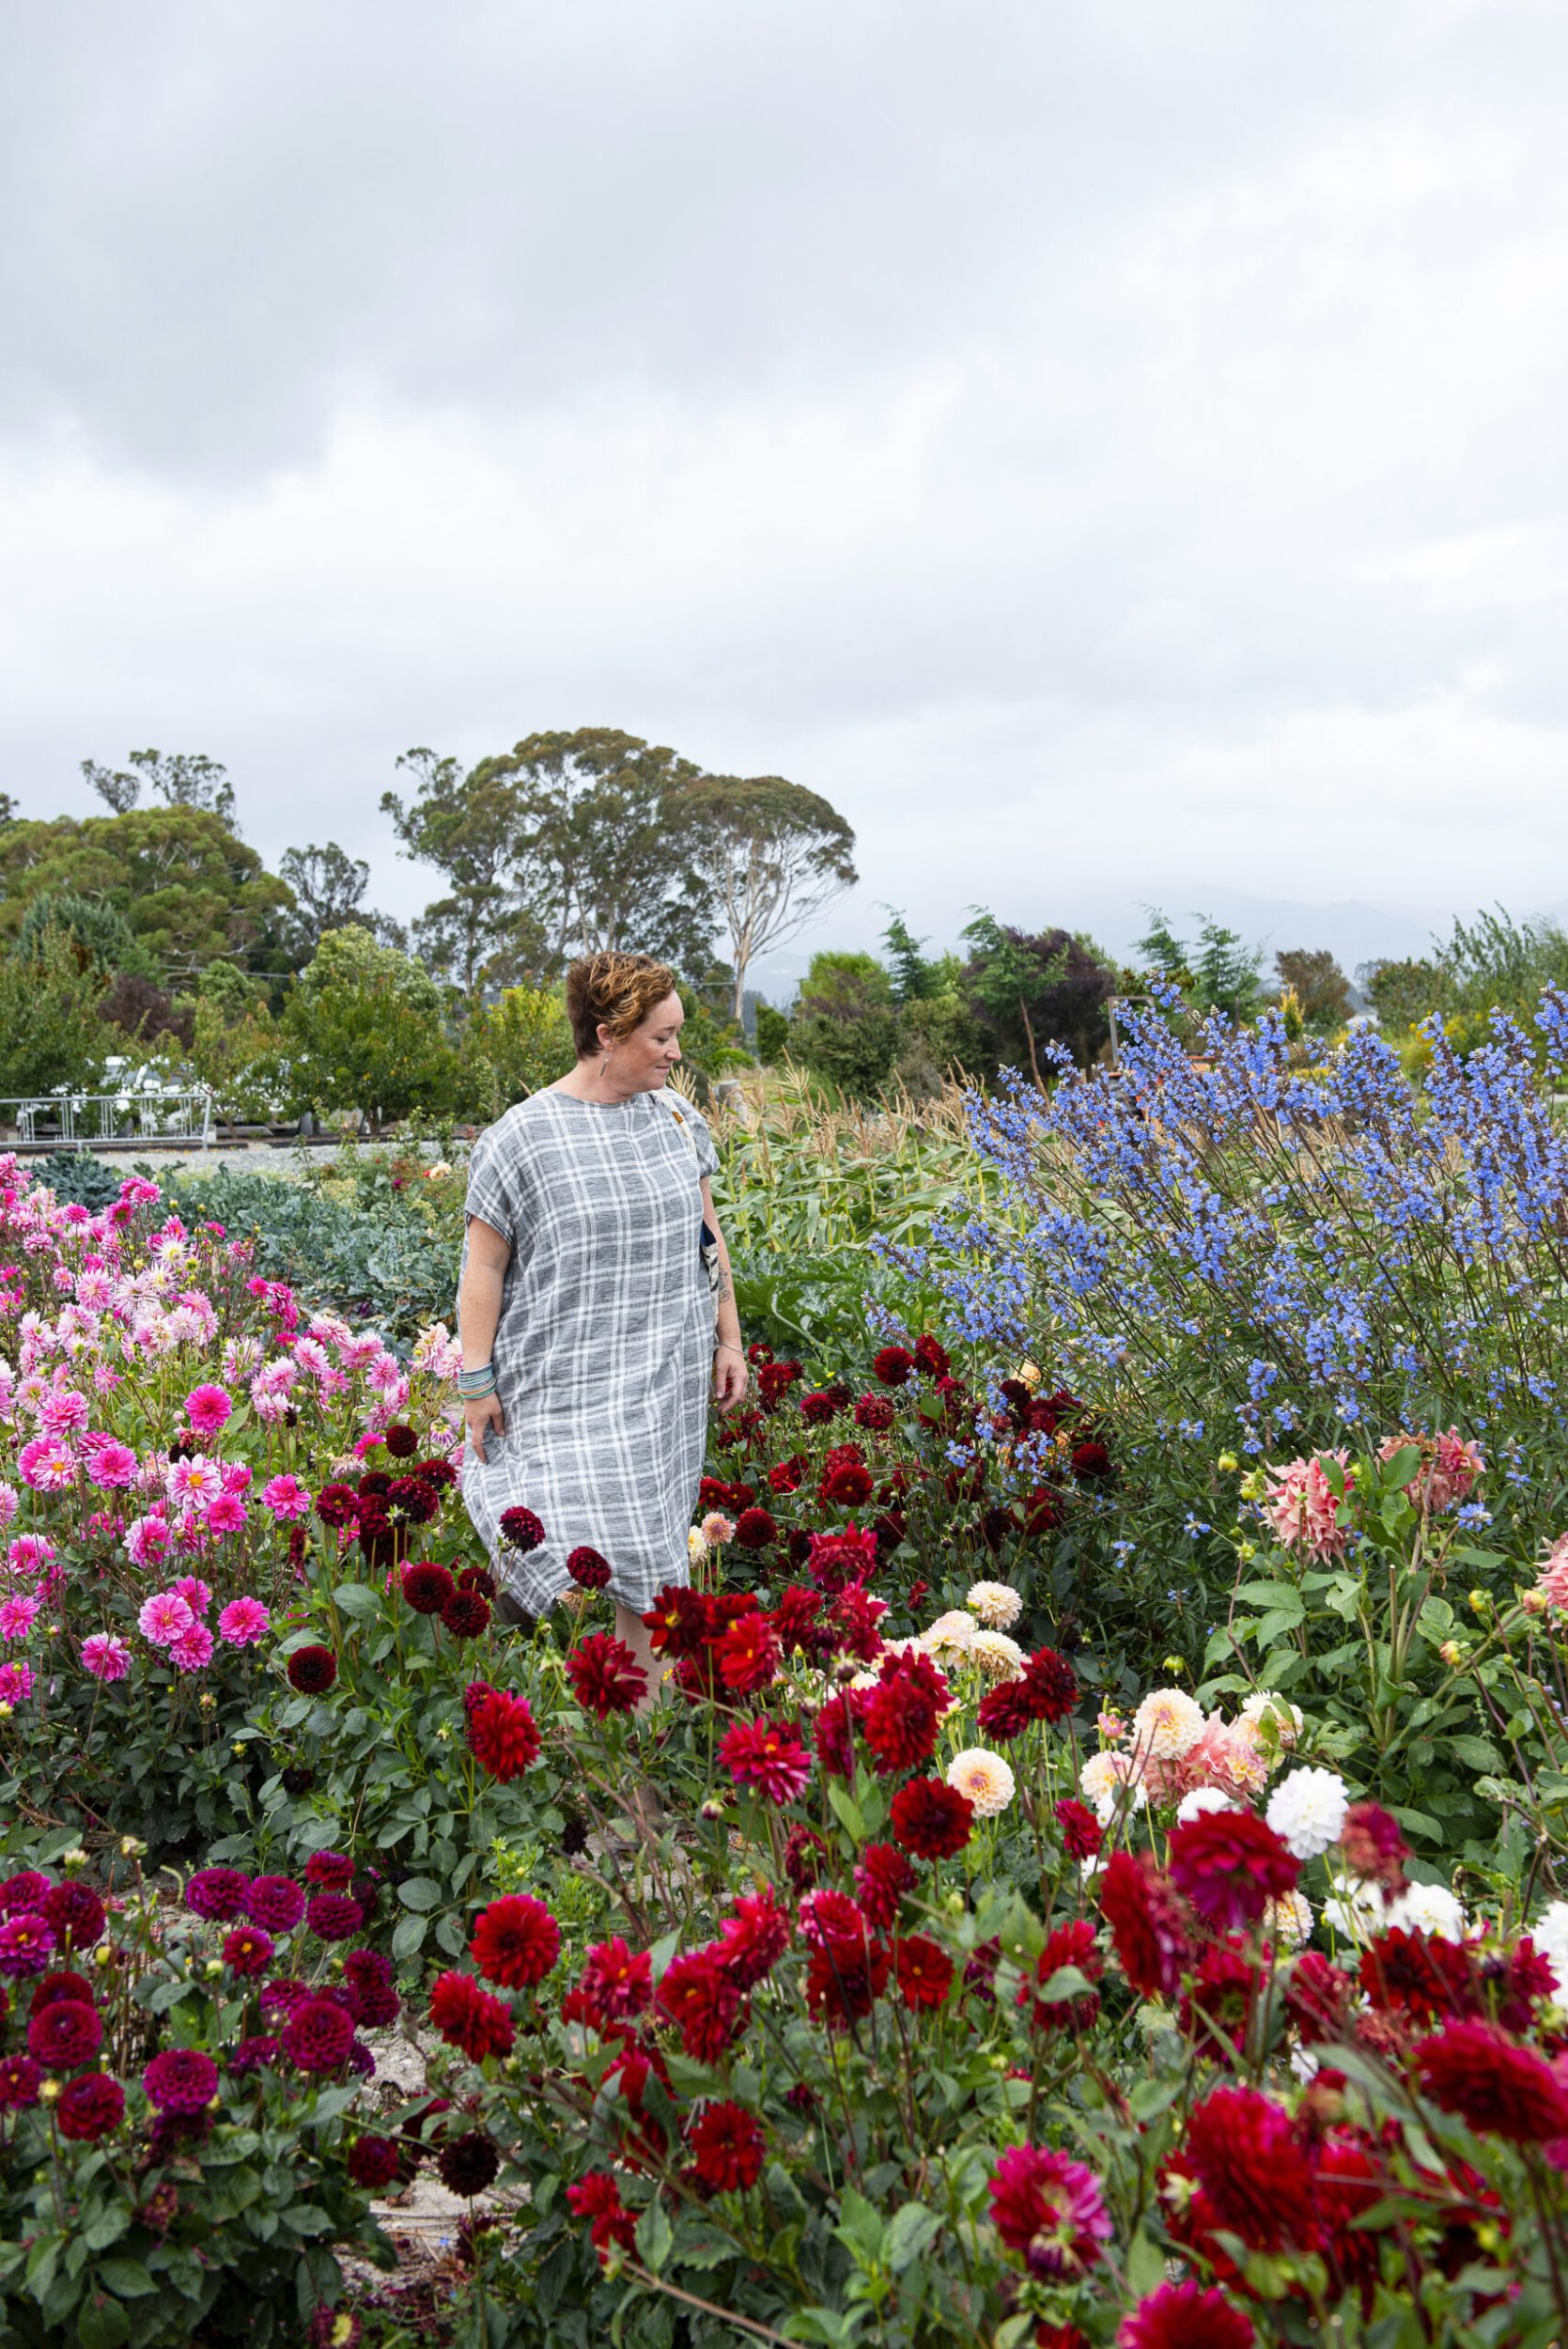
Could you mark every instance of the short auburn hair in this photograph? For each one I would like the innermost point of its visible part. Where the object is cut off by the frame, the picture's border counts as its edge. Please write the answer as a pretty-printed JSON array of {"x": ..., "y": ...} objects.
[{"x": 614, "y": 992}]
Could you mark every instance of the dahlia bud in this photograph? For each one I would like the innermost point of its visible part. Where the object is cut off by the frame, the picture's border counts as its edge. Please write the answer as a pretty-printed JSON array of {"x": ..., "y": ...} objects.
[
  {"x": 1480, "y": 1602},
  {"x": 6, "y": 1710},
  {"x": 103, "y": 1954},
  {"x": 207, "y": 1700},
  {"x": 1246, "y": 1552},
  {"x": 1173, "y": 1664},
  {"x": 1227, "y": 1463},
  {"x": 1534, "y": 1603},
  {"x": 1451, "y": 1654},
  {"x": 75, "y": 1858},
  {"x": 238, "y": 1750},
  {"x": 954, "y": 1904},
  {"x": 129, "y": 1848},
  {"x": 1254, "y": 1484},
  {"x": 49, "y": 2091},
  {"x": 212, "y": 1968},
  {"x": 712, "y": 1808}
]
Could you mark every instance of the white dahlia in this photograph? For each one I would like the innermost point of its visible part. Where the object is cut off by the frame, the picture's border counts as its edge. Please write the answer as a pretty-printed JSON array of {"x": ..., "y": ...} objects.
[
  {"x": 1268, "y": 1711},
  {"x": 1105, "y": 1780},
  {"x": 1550, "y": 1936},
  {"x": 1201, "y": 1799},
  {"x": 1166, "y": 1725},
  {"x": 1430, "y": 1909},
  {"x": 984, "y": 1779},
  {"x": 996, "y": 1604},
  {"x": 951, "y": 1634},
  {"x": 998, "y": 1656},
  {"x": 1307, "y": 1812},
  {"x": 1289, "y": 1918}
]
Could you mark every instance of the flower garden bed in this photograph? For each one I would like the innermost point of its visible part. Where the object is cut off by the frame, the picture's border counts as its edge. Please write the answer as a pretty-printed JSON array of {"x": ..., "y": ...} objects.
[{"x": 903, "y": 1976}]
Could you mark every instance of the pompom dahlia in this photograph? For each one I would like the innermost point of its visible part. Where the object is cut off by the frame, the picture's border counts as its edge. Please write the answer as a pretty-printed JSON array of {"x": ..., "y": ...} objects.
[
  {"x": 1245, "y": 2152},
  {"x": 312, "y": 1671},
  {"x": 1497, "y": 2087},
  {"x": 984, "y": 1779},
  {"x": 501, "y": 1736},
  {"x": 89, "y": 2107},
  {"x": 1307, "y": 1811},
  {"x": 1148, "y": 1924},
  {"x": 182, "y": 2079},
  {"x": 319, "y": 2036}
]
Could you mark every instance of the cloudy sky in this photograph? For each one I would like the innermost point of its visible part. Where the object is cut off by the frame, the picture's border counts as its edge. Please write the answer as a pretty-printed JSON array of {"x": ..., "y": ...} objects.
[{"x": 1115, "y": 451}]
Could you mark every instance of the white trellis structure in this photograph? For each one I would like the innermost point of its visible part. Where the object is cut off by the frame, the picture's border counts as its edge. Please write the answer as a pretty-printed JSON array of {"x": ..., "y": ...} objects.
[{"x": 81, "y": 1121}]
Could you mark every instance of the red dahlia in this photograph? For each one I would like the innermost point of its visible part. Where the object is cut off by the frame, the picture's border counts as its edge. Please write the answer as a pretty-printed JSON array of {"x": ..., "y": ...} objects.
[
  {"x": 846, "y": 1487},
  {"x": 1230, "y": 1864},
  {"x": 469, "y": 2164},
  {"x": 466, "y": 1614},
  {"x": 89, "y": 2107},
  {"x": 334, "y": 1916},
  {"x": 882, "y": 1878},
  {"x": 767, "y": 1755},
  {"x": 502, "y": 1736},
  {"x": 588, "y": 1570},
  {"x": 702, "y": 2002},
  {"x": 931, "y": 1358},
  {"x": 755, "y": 1528},
  {"x": 605, "y": 1676},
  {"x": 1048, "y": 2208},
  {"x": 516, "y": 1941},
  {"x": 1082, "y": 1835},
  {"x": 329, "y": 1871},
  {"x": 747, "y": 1652},
  {"x": 677, "y": 1621},
  {"x": 76, "y": 1914},
  {"x": 274, "y": 1902},
  {"x": 924, "y": 1970},
  {"x": 1372, "y": 1846},
  {"x": 467, "y": 2017},
  {"x": 726, "y": 2146},
  {"x": 1050, "y": 1684},
  {"x": 312, "y": 1671},
  {"x": 836, "y": 1560},
  {"x": 428, "y": 1587},
  {"x": 1498, "y": 2089},
  {"x": 335, "y": 1505},
  {"x": 1215, "y": 2010},
  {"x": 369, "y": 1976},
  {"x": 843, "y": 1985},
  {"x": 834, "y": 1732},
  {"x": 931, "y": 1818},
  {"x": 1005, "y": 1712},
  {"x": 248, "y": 1950},
  {"x": 182, "y": 2079},
  {"x": 401, "y": 1441},
  {"x": 617, "y": 1982},
  {"x": 753, "y": 1938},
  {"x": 1070, "y": 1945},
  {"x": 217, "y": 1894},
  {"x": 1185, "y": 2316},
  {"x": 875, "y": 1413},
  {"x": 596, "y": 2198},
  {"x": 319, "y": 2036},
  {"x": 20, "y": 2082},
  {"x": 1317, "y": 1998},
  {"x": 893, "y": 1365},
  {"x": 374, "y": 2161},
  {"x": 900, "y": 1722},
  {"x": 520, "y": 1528},
  {"x": 60, "y": 1984},
  {"x": 64, "y": 2033},
  {"x": 788, "y": 1475},
  {"x": 1244, "y": 2151},
  {"x": 1148, "y": 1924}
]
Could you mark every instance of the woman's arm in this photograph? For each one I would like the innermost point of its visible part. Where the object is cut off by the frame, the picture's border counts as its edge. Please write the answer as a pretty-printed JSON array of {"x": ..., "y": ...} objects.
[
  {"x": 478, "y": 1315},
  {"x": 729, "y": 1359}
]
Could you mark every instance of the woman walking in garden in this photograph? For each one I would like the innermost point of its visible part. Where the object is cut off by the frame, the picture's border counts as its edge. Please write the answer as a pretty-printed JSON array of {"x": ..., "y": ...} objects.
[{"x": 586, "y": 1307}]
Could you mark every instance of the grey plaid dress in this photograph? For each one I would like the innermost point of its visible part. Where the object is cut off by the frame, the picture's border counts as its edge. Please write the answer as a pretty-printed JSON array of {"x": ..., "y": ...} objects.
[{"x": 604, "y": 1350}]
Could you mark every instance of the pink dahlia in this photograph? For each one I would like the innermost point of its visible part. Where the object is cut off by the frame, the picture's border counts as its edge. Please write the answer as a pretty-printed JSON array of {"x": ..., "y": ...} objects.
[
  {"x": 47, "y": 1464},
  {"x": 1048, "y": 2208},
  {"x": 766, "y": 1755},
  {"x": 1303, "y": 1507},
  {"x": 165, "y": 1617},
  {"x": 208, "y": 1408},
  {"x": 192, "y": 1651},
  {"x": 112, "y": 1466},
  {"x": 228, "y": 1514},
  {"x": 195, "y": 1592},
  {"x": 17, "y": 1616},
  {"x": 105, "y": 1656},
  {"x": 243, "y": 1623},
  {"x": 287, "y": 1498}
]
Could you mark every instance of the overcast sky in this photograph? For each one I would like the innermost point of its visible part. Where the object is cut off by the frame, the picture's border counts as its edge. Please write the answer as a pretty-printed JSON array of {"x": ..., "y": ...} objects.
[{"x": 1114, "y": 452}]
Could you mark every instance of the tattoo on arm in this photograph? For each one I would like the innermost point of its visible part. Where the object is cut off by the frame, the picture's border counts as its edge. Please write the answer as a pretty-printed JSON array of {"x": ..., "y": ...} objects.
[{"x": 726, "y": 1286}]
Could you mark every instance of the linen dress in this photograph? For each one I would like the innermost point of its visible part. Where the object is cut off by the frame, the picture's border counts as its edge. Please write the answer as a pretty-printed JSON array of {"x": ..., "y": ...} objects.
[{"x": 604, "y": 1350}]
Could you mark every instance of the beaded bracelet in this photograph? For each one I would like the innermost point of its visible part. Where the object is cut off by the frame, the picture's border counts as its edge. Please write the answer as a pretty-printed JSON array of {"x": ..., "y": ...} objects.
[{"x": 475, "y": 1384}]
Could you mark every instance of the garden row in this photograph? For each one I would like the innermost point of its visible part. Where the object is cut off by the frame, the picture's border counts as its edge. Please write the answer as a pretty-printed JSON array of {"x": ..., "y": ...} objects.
[{"x": 983, "y": 1972}]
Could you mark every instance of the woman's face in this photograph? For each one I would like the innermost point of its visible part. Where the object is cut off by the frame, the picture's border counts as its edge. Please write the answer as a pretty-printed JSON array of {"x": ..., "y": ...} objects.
[{"x": 642, "y": 1062}]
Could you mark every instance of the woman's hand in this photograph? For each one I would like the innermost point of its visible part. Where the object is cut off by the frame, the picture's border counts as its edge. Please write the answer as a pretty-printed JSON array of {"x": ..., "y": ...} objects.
[
  {"x": 730, "y": 1376},
  {"x": 483, "y": 1412}
]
